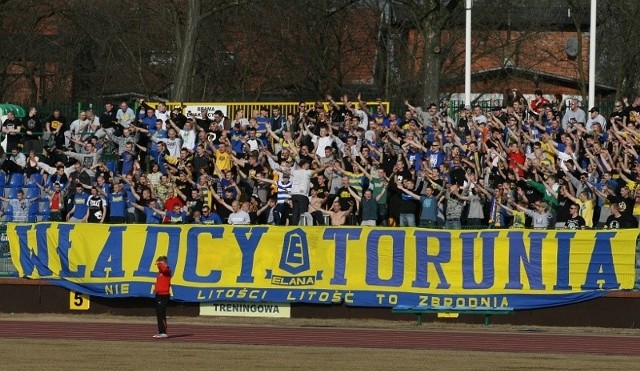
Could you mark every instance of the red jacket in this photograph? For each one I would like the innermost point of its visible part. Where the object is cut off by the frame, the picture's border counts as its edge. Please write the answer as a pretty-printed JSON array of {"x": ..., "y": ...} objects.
[{"x": 163, "y": 280}]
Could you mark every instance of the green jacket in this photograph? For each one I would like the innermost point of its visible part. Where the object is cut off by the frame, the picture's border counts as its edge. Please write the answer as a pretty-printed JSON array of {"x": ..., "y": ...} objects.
[{"x": 547, "y": 197}]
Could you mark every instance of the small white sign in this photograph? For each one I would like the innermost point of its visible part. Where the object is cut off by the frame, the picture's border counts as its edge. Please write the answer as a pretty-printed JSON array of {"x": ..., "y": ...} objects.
[
  {"x": 196, "y": 108},
  {"x": 245, "y": 309}
]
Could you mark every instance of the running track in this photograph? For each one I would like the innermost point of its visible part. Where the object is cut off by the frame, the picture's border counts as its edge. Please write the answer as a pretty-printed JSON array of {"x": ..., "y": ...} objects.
[{"x": 330, "y": 337}]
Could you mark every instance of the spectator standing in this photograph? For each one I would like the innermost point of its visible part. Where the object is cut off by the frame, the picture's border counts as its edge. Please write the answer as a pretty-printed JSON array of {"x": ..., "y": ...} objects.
[
  {"x": 541, "y": 217},
  {"x": 33, "y": 131},
  {"x": 573, "y": 115},
  {"x": 239, "y": 212},
  {"x": 429, "y": 206},
  {"x": 107, "y": 121},
  {"x": 518, "y": 215},
  {"x": 618, "y": 112},
  {"x": 283, "y": 198},
  {"x": 539, "y": 102},
  {"x": 407, "y": 206},
  {"x": 174, "y": 216},
  {"x": 595, "y": 117},
  {"x": 117, "y": 201},
  {"x": 337, "y": 215},
  {"x": 20, "y": 206},
  {"x": 617, "y": 220},
  {"x": 240, "y": 120},
  {"x": 585, "y": 206},
  {"x": 209, "y": 217},
  {"x": 301, "y": 181},
  {"x": 56, "y": 200},
  {"x": 90, "y": 156},
  {"x": 455, "y": 198},
  {"x": 12, "y": 127},
  {"x": 97, "y": 207},
  {"x": 80, "y": 206},
  {"x": 78, "y": 129},
  {"x": 368, "y": 207},
  {"x": 124, "y": 116},
  {"x": 188, "y": 133},
  {"x": 55, "y": 126},
  {"x": 575, "y": 221}
]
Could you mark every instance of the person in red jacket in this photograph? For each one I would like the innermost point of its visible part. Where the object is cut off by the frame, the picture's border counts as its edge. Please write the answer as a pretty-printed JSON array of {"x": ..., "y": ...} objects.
[{"x": 163, "y": 293}]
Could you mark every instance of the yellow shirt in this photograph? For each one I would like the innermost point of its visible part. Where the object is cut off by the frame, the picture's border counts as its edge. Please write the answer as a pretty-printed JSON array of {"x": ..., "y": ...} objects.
[
  {"x": 518, "y": 219},
  {"x": 635, "y": 188},
  {"x": 547, "y": 152},
  {"x": 586, "y": 211},
  {"x": 223, "y": 160}
]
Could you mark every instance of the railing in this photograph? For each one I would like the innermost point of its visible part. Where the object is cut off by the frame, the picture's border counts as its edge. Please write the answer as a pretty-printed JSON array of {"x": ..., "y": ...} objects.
[{"x": 6, "y": 265}]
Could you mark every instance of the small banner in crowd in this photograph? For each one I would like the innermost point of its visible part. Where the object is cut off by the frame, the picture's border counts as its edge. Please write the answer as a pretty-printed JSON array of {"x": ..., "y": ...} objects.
[{"x": 377, "y": 267}]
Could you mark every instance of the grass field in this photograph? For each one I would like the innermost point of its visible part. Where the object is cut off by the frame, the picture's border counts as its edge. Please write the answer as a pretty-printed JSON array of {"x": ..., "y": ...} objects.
[{"x": 84, "y": 355}]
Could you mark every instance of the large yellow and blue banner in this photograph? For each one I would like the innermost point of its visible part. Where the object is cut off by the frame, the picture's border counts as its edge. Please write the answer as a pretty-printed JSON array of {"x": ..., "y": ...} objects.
[{"x": 360, "y": 266}]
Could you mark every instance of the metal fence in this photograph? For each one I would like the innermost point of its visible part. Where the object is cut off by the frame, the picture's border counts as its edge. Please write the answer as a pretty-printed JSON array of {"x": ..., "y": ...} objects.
[
  {"x": 6, "y": 265},
  {"x": 71, "y": 110}
]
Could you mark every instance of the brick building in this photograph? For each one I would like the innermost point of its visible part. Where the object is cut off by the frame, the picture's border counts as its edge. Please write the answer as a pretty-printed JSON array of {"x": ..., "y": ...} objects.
[
  {"x": 510, "y": 51},
  {"x": 507, "y": 53}
]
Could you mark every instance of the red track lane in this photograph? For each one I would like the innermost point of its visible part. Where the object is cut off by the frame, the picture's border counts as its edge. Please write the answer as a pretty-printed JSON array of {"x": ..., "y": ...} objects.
[{"x": 334, "y": 337}]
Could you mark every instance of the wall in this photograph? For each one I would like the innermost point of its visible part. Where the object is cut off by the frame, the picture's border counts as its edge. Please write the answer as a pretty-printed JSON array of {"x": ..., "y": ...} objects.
[{"x": 616, "y": 310}]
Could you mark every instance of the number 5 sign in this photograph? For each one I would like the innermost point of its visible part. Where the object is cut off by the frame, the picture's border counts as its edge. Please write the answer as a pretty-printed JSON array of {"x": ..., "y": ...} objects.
[{"x": 78, "y": 301}]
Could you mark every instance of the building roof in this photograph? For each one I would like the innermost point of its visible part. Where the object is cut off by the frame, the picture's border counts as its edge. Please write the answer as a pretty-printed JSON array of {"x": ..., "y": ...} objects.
[
  {"x": 533, "y": 75},
  {"x": 516, "y": 15}
]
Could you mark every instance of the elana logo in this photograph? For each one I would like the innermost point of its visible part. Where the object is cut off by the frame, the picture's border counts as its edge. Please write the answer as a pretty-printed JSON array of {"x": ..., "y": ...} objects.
[{"x": 295, "y": 259}]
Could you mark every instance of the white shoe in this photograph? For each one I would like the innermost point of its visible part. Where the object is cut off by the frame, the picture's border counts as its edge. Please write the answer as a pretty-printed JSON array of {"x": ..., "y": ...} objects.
[{"x": 160, "y": 336}]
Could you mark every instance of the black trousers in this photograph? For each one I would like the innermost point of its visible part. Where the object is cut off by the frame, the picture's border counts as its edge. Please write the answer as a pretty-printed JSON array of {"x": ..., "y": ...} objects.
[
  {"x": 161, "y": 312},
  {"x": 300, "y": 205}
]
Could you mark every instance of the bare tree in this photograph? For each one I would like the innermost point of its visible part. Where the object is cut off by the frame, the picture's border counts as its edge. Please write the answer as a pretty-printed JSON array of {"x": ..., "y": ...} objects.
[
  {"x": 188, "y": 18},
  {"x": 618, "y": 53},
  {"x": 430, "y": 18},
  {"x": 33, "y": 58}
]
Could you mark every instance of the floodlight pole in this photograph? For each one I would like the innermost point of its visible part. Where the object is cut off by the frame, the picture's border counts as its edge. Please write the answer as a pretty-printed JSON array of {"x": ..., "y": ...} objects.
[
  {"x": 467, "y": 54},
  {"x": 592, "y": 55}
]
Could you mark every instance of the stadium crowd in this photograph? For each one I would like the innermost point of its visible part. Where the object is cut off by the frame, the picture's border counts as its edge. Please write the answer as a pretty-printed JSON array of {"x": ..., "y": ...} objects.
[{"x": 539, "y": 164}]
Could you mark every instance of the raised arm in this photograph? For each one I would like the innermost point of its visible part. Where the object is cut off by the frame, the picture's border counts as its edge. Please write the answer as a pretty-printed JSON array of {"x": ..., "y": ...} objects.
[
  {"x": 141, "y": 208},
  {"x": 413, "y": 195},
  {"x": 222, "y": 202},
  {"x": 363, "y": 105},
  {"x": 142, "y": 148},
  {"x": 507, "y": 208},
  {"x": 569, "y": 196},
  {"x": 354, "y": 194},
  {"x": 158, "y": 211}
]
